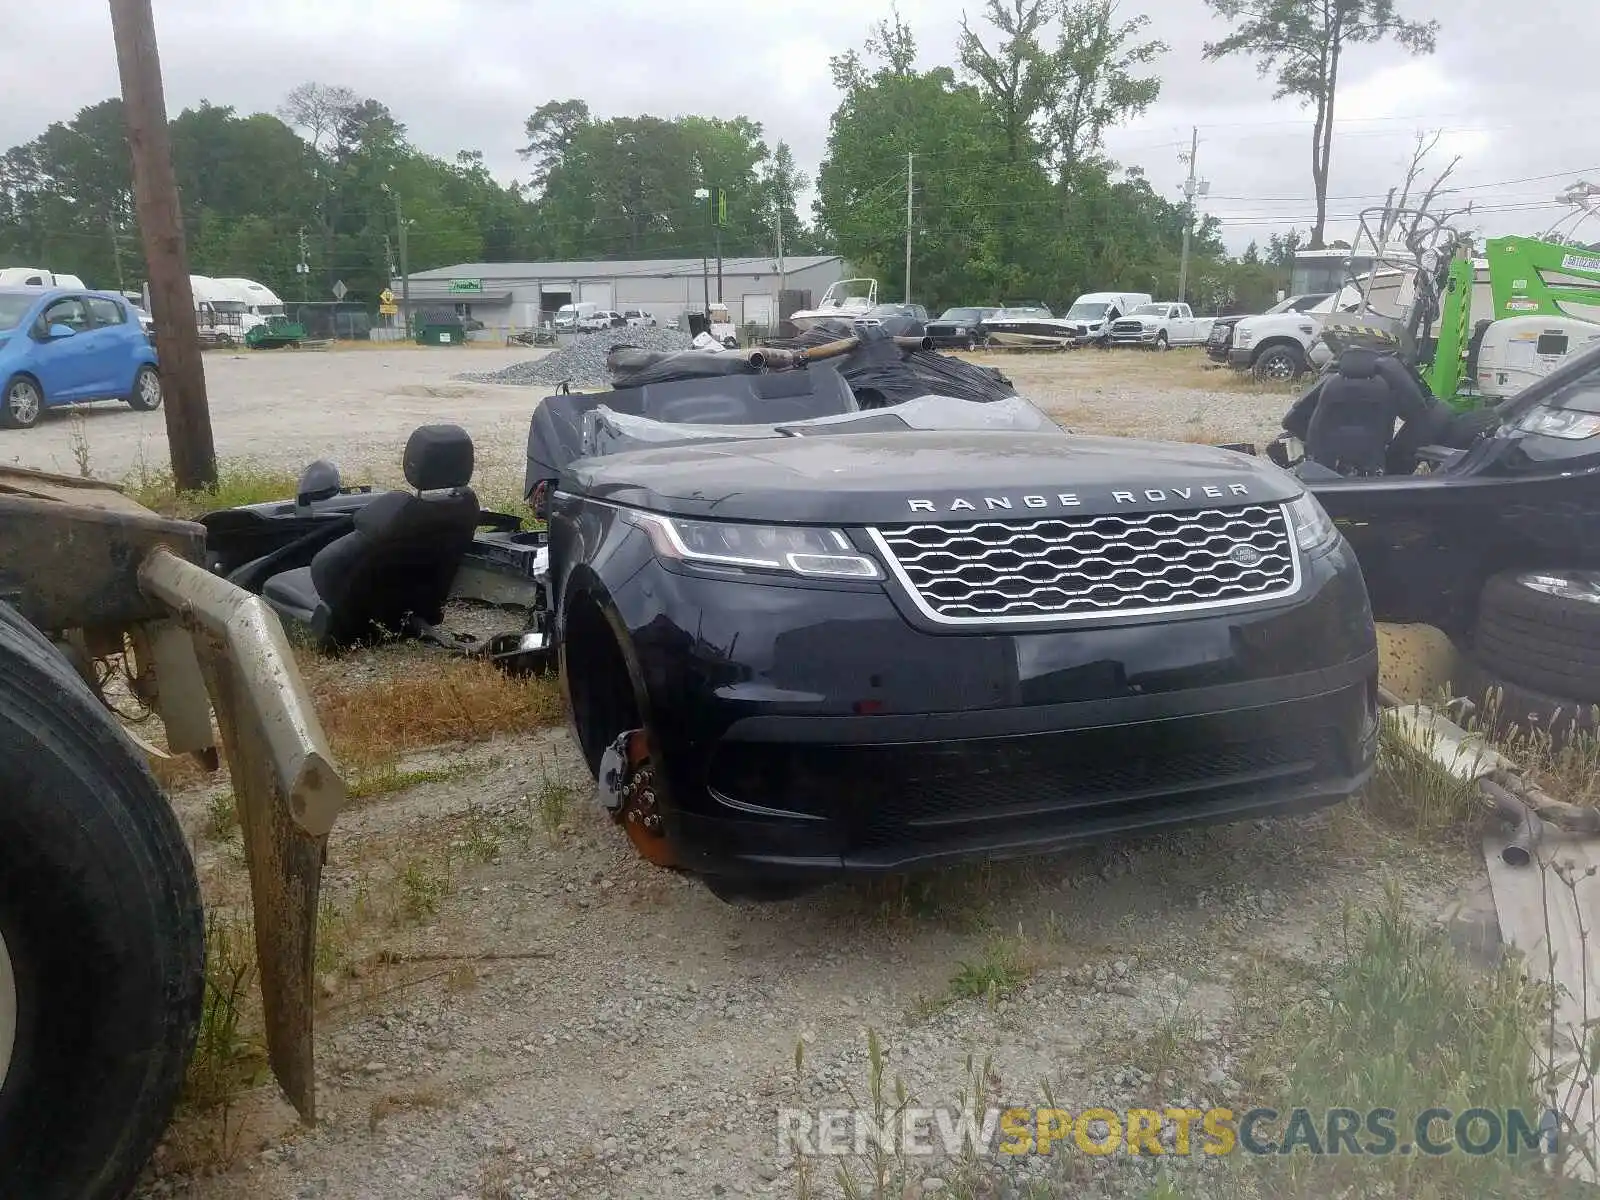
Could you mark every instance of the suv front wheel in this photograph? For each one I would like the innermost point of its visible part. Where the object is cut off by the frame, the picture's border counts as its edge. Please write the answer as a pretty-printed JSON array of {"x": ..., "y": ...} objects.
[{"x": 1279, "y": 364}]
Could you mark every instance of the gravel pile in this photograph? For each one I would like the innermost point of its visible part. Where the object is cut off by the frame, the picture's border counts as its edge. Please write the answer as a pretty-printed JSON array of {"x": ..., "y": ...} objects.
[{"x": 583, "y": 362}]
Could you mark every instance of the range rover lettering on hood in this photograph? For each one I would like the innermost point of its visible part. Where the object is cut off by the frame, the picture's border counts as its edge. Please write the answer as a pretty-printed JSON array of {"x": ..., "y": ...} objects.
[{"x": 1204, "y": 491}]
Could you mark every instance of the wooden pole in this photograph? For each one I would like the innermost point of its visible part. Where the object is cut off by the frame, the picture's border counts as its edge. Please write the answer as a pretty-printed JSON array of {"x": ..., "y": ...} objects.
[{"x": 155, "y": 190}]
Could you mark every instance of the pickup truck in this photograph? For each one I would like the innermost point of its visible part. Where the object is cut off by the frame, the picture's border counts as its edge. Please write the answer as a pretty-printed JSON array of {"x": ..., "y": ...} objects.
[
  {"x": 1220, "y": 340},
  {"x": 604, "y": 319},
  {"x": 1160, "y": 326}
]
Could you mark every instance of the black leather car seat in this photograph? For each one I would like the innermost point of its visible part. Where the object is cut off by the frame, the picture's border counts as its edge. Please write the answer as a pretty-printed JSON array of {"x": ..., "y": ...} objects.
[
  {"x": 1353, "y": 424},
  {"x": 402, "y": 555}
]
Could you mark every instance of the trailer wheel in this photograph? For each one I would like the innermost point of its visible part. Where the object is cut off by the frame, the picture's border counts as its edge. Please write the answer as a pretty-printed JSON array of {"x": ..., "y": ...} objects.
[
  {"x": 1541, "y": 629},
  {"x": 102, "y": 972}
]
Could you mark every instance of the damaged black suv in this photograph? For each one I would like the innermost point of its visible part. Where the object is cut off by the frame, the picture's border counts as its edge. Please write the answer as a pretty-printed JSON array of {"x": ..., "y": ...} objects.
[{"x": 801, "y": 638}]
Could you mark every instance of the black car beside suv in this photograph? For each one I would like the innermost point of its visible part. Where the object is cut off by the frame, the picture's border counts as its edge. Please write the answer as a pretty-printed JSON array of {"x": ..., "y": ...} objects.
[{"x": 955, "y": 327}]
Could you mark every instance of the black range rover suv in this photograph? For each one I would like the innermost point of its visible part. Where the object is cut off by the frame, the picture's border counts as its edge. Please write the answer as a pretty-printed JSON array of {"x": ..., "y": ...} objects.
[{"x": 882, "y": 640}]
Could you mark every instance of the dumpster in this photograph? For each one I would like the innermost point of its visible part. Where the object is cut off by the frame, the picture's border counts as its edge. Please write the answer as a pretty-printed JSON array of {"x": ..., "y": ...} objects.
[
  {"x": 441, "y": 335},
  {"x": 441, "y": 327}
]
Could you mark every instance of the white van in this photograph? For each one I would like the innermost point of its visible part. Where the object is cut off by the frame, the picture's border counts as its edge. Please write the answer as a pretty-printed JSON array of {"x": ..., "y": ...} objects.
[
  {"x": 1096, "y": 310},
  {"x": 221, "y": 310},
  {"x": 572, "y": 317},
  {"x": 38, "y": 277},
  {"x": 259, "y": 300}
]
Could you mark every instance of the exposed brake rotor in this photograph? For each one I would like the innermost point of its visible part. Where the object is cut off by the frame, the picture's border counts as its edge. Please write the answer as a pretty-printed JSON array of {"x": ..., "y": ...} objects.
[{"x": 635, "y": 805}]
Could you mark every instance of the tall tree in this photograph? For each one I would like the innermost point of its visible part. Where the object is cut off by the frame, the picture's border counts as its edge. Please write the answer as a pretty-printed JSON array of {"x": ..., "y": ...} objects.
[
  {"x": 551, "y": 131},
  {"x": 1017, "y": 74},
  {"x": 318, "y": 109},
  {"x": 1300, "y": 43},
  {"x": 1095, "y": 67}
]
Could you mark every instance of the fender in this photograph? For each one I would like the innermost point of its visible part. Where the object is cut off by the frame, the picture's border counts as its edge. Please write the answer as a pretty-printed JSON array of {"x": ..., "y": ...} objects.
[
  {"x": 1277, "y": 339},
  {"x": 583, "y": 583}
]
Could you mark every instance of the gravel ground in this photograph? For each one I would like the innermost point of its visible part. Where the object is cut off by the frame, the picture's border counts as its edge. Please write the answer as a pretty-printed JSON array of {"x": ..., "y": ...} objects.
[
  {"x": 582, "y": 362},
  {"x": 562, "y": 1020},
  {"x": 615, "y": 1032},
  {"x": 281, "y": 409}
]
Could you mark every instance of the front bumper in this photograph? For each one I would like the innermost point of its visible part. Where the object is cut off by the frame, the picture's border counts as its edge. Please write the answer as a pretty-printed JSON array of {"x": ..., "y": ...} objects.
[
  {"x": 945, "y": 337},
  {"x": 808, "y": 732},
  {"x": 1239, "y": 359},
  {"x": 1145, "y": 337}
]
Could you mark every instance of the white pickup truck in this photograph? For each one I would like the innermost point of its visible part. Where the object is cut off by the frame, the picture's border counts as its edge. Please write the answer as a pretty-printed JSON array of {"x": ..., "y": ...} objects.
[{"x": 1160, "y": 326}]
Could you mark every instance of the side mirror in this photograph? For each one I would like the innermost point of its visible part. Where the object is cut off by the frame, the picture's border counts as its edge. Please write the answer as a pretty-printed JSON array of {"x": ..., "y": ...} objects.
[{"x": 57, "y": 332}]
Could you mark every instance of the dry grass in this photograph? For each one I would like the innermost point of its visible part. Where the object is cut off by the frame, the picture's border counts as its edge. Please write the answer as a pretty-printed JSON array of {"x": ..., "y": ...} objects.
[
  {"x": 1412, "y": 791},
  {"x": 1186, "y": 368},
  {"x": 238, "y": 482},
  {"x": 424, "y": 701},
  {"x": 442, "y": 701}
]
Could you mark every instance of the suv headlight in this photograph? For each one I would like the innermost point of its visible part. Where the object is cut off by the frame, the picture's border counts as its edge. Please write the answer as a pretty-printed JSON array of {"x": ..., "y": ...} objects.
[
  {"x": 1561, "y": 423},
  {"x": 793, "y": 549},
  {"x": 1313, "y": 528}
]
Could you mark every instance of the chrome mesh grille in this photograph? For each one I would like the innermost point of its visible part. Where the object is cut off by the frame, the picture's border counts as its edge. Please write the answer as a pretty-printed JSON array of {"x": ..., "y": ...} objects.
[{"x": 1065, "y": 568}]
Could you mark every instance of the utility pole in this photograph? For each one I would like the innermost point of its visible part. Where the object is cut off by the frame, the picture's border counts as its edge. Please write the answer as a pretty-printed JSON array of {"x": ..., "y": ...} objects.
[
  {"x": 719, "y": 213},
  {"x": 1188, "y": 215},
  {"x": 116, "y": 249},
  {"x": 303, "y": 268},
  {"x": 705, "y": 257},
  {"x": 405, "y": 267},
  {"x": 909, "y": 159},
  {"x": 155, "y": 189},
  {"x": 783, "y": 273}
]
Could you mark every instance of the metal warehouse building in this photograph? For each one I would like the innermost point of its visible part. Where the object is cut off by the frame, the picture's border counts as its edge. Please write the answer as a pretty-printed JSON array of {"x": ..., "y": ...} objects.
[{"x": 513, "y": 295}]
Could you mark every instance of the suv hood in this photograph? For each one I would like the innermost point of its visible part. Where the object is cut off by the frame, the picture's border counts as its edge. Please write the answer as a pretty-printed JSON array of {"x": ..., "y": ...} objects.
[{"x": 889, "y": 478}]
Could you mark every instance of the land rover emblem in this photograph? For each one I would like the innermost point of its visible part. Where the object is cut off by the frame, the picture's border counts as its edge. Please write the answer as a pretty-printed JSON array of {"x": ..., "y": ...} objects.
[{"x": 1245, "y": 556}]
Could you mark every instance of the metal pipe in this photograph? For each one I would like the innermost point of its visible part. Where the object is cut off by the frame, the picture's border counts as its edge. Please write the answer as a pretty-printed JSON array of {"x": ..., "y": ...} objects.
[
  {"x": 914, "y": 343},
  {"x": 1527, "y": 827},
  {"x": 776, "y": 359}
]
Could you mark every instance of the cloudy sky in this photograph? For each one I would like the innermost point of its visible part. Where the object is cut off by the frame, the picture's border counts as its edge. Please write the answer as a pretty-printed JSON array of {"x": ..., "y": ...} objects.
[{"x": 464, "y": 73}]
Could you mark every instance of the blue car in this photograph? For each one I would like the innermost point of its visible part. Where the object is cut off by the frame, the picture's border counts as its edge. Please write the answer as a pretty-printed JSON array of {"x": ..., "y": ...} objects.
[{"x": 68, "y": 346}]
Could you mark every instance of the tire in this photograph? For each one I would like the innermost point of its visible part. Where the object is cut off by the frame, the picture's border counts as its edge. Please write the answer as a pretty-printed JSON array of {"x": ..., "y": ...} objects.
[
  {"x": 104, "y": 937},
  {"x": 146, "y": 393},
  {"x": 730, "y": 343},
  {"x": 1541, "y": 629},
  {"x": 1507, "y": 709},
  {"x": 1279, "y": 364},
  {"x": 1161, "y": 341},
  {"x": 22, "y": 404}
]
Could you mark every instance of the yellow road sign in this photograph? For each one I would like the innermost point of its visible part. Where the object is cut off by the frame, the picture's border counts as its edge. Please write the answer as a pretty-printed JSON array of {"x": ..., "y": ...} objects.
[
  {"x": 386, "y": 296},
  {"x": 388, "y": 309}
]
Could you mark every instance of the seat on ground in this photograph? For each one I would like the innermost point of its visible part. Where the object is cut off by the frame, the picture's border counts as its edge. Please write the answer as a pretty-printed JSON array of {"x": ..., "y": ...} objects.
[
  {"x": 1353, "y": 424},
  {"x": 400, "y": 558}
]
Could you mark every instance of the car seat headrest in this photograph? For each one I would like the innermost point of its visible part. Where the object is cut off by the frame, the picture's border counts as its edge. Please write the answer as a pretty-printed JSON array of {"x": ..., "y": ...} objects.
[
  {"x": 1358, "y": 362},
  {"x": 438, "y": 457},
  {"x": 319, "y": 481}
]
